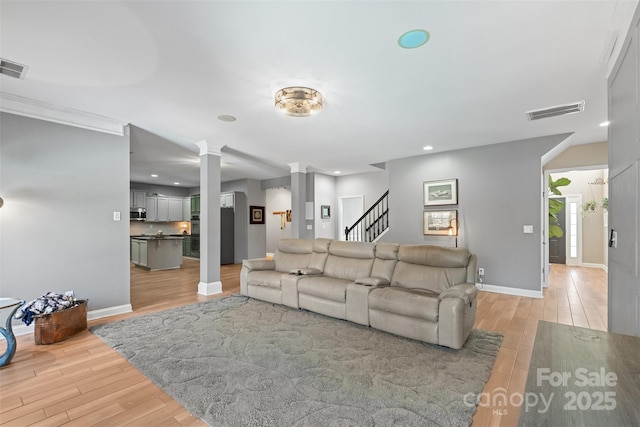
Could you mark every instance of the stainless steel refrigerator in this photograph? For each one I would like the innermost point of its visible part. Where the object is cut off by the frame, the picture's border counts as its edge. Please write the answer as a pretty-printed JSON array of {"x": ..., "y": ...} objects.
[{"x": 227, "y": 255}]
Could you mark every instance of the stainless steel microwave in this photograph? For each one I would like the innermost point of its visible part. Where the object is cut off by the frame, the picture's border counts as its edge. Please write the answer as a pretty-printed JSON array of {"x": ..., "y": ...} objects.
[{"x": 139, "y": 214}]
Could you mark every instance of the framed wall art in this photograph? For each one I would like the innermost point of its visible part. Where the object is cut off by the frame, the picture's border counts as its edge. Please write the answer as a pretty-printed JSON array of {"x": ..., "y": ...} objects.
[
  {"x": 325, "y": 211},
  {"x": 441, "y": 223},
  {"x": 256, "y": 214},
  {"x": 438, "y": 193}
]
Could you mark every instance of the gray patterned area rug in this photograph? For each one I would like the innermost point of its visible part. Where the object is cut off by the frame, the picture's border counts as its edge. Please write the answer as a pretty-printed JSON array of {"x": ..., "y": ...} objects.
[{"x": 237, "y": 361}]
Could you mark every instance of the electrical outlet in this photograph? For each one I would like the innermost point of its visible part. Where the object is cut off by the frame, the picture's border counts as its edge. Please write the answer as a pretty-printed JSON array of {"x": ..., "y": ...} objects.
[{"x": 481, "y": 271}]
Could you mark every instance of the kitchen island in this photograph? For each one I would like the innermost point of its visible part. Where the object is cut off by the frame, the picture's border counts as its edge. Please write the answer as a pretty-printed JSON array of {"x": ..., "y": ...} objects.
[{"x": 156, "y": 253}]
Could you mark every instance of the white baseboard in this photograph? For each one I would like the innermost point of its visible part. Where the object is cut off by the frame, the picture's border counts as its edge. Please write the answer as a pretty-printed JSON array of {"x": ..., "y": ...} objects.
[
  {"x": 509, "y": 291},
  {"x": 592, "y": 265},
  {"x": 211, "y": 288},
  {"x": 91, "y": 315},
  {"x": 109, "y": 311}
]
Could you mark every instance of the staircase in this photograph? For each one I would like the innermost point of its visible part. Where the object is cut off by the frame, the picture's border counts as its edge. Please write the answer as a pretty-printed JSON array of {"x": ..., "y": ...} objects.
[{"x": 372, "y": 224}]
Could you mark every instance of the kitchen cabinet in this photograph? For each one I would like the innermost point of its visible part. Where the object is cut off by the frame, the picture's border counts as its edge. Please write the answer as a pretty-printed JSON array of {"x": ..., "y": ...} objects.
[
  {"x": 186, "y": 209},
  {"x": 166, "y": 209},
  {"x": 163, "y": 209},
  {"x": 138, "y": 199},
  {"x": 152, "y": 209},
  {"x": 227, "y": 200},
  {"x": 195, "y": 205},
  {"x": 175, "y": 209},
  {"x": 186, "y": 246},
  {"x": 139, "y": 252},
  {"x": 157, "y": 253}
]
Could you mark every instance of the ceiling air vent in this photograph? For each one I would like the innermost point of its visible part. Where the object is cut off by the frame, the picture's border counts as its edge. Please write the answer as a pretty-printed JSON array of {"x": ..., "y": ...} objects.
[
  {"x": 12, "y": 69},
  {"x": 558, "y": 110}
]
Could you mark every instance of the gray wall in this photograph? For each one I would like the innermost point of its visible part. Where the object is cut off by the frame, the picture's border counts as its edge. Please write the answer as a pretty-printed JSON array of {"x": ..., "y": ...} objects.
[
  {"x": 250, "y": 239},
  {"x": 499, "y": 191},
  {"x": 61, "y": 186},
  {"x": 370, "y": 185},
  {"x": 325, "y": 194},
  {"x": 162, "y": 190},
  {"x": 277, "y": 200}
]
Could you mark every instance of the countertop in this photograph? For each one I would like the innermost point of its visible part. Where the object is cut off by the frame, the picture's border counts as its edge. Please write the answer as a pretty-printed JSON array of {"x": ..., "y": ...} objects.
[{"x": 167, "y": 237}]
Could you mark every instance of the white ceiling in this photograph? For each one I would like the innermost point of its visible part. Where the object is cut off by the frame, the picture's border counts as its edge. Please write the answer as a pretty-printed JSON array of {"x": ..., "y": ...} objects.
[{"x": 171, "y": 68}]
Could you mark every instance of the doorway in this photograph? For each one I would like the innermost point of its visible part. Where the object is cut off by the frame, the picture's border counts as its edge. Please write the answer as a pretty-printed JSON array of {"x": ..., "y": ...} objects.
[
  {"x": 557, "y": 244},
  {"x": 350, "y": 209},
  {"x": 584, "y": 240}
]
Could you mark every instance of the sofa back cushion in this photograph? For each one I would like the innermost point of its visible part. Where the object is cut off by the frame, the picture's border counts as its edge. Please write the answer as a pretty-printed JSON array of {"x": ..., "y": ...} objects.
[
  {"x": 349, "y": 260},
  {"x": 292, "y": 254},
  {"x": 385, "y": 261},
  {"x": 431, "y": 268},
  {"x": 320, "y": 253}
]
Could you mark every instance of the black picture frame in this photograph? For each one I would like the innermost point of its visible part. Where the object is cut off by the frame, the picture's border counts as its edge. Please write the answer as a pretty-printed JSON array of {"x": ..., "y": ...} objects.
[
  {"x": 325, "y": 211},
  {"x": 256, "y": 214},
  {"x": 440, "y": 193}
]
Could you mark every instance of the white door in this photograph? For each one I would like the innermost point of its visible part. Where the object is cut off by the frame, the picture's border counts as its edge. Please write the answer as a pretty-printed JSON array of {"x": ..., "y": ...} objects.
[
  {"x": 624, "y": 188},
  {"x": 350, "y": 208}
]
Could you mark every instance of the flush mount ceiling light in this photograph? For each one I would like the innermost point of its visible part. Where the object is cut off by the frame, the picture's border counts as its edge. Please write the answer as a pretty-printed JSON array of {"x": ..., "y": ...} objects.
[
  {"x": 413, "y": 39},
  {"x": 298, "y": 101},
  {"x": 226, "y": 118}
]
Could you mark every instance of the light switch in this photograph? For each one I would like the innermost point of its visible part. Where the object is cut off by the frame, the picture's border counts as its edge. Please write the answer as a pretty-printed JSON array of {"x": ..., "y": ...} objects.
[
  {"x": 116, "y": 216},
  {"x": 309, "y": 227},
  {"x": 528, "y": 229}
]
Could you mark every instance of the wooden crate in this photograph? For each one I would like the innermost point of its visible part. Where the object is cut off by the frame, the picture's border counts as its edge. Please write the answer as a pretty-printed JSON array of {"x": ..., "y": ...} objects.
[{"x": 60, "y": 325}]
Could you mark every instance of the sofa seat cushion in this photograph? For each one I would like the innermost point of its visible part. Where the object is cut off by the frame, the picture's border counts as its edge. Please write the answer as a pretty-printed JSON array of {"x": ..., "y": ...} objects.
[
  {"x": 268, "y": 278},
  {"x": 328, "y": 288},
  {"x": 414, "y": 303}
]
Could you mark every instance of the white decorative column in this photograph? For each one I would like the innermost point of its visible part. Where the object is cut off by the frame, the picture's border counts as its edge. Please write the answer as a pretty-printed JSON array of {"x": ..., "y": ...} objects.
[
  {"x": 298, "y": 200},
  {"x": 209, "y": 219}
]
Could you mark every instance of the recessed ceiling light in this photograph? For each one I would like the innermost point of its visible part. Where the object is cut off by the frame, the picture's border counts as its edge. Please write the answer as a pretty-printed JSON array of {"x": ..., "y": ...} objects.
[
  {"x": 413, "y": 39},
  {"x": 226, "y": 118},
  {"x": 427, "y": 148},
  {"x": 176, "y": 183},
  {"x": 336, "y": 172},
  {"x": 153, "y": 175},
  {"x": 605, "y": 124}
]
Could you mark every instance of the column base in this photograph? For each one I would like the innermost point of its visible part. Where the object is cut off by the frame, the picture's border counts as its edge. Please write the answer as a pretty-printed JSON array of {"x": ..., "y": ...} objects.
[{"x": 211, "y": 288}]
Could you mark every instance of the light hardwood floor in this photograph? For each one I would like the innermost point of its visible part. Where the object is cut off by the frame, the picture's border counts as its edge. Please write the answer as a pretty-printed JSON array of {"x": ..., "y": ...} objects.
[{"x": 82, "y": 381}]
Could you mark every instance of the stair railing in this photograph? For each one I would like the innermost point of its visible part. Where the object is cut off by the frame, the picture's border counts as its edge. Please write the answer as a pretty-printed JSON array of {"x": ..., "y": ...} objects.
[{"x": 372, "y": 224}]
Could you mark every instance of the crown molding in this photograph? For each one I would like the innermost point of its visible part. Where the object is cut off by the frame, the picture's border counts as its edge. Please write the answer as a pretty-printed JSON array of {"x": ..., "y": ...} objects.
[
  {"x": 27, "y": 107},
  {"x": 208, "y": 148},
  {"x": 298, "y": 167}
]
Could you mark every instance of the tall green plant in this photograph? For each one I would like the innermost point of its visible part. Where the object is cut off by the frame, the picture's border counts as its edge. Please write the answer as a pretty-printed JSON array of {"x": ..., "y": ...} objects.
[{"x": 555, "y": 206}]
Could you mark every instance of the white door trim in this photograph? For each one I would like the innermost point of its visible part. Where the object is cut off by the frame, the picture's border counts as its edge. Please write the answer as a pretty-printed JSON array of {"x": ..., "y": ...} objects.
[{"x": 341, "y": 222}]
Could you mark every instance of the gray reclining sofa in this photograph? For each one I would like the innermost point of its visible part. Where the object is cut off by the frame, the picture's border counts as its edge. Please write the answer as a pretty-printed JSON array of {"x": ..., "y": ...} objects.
[{"x": 422, "y": 292}]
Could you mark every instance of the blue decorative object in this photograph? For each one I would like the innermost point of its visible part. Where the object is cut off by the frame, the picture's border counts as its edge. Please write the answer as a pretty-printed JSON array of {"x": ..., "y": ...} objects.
[{"x": 7, "y": 331}]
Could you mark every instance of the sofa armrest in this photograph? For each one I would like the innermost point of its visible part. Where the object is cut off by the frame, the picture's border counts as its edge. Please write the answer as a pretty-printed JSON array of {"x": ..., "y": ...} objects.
[
  {"x": 305, "y": 271},
  {"x": 372, "y": 281},
  {"x": 465, "y": 291},
  {"x": 259, "y": 264}
]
